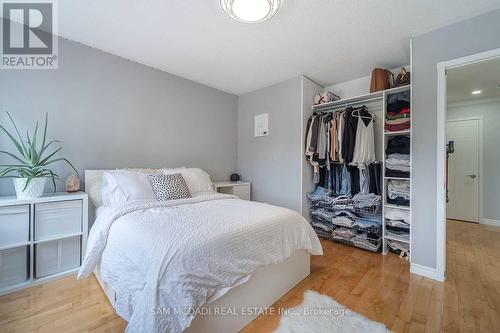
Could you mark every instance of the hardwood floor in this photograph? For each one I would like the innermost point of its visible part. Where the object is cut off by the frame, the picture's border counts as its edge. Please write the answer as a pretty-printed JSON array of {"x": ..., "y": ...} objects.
[{"x": 379, "y": 287}]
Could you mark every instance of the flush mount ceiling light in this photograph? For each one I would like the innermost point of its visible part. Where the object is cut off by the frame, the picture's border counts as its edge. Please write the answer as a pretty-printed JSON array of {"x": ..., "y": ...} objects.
[
  {"x": 250, "y": 11},
  {"x": 476, "y": 92}
]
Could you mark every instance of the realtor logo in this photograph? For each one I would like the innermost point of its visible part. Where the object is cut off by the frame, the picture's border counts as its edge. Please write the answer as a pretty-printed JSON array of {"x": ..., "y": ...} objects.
[{"x": 29, "y": 36}]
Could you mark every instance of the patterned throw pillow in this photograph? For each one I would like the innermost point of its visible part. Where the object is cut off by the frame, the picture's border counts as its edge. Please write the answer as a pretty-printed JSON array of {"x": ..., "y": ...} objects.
[{"x": 169, "y": 187}]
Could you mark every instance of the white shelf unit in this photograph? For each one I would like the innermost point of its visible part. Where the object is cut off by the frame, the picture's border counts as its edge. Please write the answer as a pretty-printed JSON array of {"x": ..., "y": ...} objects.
[
  {"x": 386, "y": 137},
  {"x": 41, "y": 239}
]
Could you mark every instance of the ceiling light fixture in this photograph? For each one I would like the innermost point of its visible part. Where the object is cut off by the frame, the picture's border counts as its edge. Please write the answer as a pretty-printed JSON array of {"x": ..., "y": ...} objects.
[
  {"x": 476, "y": 92},
  {"x": 250, "y": 11}
]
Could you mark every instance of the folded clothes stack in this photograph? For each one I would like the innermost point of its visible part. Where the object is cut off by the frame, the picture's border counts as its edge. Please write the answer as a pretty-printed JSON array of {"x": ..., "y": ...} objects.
[
  {"x": 399, "y": 144},
  {"x": 344, "y": 233},
  {"x": 343, "y": 218},
  {"x": 398, "y": 112},
  {"x": 398, "y": 192},
  {"x": 397, "y": 223},
  {"x": 397, "y": 165}
]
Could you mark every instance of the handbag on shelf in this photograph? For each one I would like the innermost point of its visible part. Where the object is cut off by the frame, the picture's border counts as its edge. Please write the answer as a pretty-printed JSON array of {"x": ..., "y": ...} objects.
[
  {"x": 325, "y": 97},
  {"x": 381, "y": 80},
  {"x": 403, "y": 78}
]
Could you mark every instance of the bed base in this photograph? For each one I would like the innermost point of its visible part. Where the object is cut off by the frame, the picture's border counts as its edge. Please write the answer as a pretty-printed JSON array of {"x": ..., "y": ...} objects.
[{"x": 264, "y": 288}]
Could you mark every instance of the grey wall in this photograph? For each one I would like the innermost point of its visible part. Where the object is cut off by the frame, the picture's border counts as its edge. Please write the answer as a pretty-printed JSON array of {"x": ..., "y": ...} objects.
[
  {"x": 465, "y": 38},
  {"x": 110, "y": 112},
  {"x": 490, "y": 193},
  {"x": 272, "y": 163}
]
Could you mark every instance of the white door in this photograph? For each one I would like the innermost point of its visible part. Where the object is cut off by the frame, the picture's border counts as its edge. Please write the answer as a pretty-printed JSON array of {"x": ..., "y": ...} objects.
[{"x": 463, "y": 170}]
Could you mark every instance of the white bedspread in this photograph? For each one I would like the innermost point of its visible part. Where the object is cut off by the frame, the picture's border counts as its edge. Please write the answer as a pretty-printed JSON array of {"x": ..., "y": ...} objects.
[{"x": 181, "y": 254}]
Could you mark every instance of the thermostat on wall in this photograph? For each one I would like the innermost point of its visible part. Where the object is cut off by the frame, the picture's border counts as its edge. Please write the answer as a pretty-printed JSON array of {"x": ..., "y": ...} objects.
[{"x": 261, "y": 124}]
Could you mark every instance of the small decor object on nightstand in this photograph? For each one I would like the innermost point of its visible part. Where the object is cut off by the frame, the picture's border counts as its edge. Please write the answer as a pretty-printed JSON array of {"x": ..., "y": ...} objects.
[
  {"x": 72, "y": 184},
  {"x": 30, "y": 169},
  {"x": 235, "y": 177}
]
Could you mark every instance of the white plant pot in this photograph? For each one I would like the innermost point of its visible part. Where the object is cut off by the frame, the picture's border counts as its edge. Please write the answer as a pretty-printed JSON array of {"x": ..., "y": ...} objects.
[{"x": 34, "y": 189}]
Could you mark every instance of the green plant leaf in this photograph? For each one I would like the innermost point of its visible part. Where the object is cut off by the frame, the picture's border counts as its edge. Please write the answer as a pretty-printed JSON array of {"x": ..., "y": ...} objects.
[
  {"x": 45, "y": 134},
  {"x": 35, "y": 135},
  {"x": 28, "y": 181},
  {"x": 53, "y": 180},
  {"x": 12, "y": 155},
  {"x": 15, "y": 165},
  {"x": 47, "y": 146},
  {"x": 14, "y": 141},
  {"x": 44, "y": 161},
  {"x": 6, "y": 171},
  {"x": 32, "y": 147},
  {"x": 66, "y": 160},
  {"x": 17, "y": 131},
  {"x": 33, "y": 164},
  {"x": 30, "y": 157}
]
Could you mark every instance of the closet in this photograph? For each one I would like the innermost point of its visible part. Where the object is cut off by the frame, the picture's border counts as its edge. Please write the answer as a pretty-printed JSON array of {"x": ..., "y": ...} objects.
[
  {"x": 344, "y": 146},
  {"x": 348, "y": 145}
]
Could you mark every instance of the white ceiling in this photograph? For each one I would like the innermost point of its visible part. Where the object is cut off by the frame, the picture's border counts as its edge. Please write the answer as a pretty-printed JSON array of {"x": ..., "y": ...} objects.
[
  {"x": 484, "y": 76},
  {"x": 330, "y": 41}
]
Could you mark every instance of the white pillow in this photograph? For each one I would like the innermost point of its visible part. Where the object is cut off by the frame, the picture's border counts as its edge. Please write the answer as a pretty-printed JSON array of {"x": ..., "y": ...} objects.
[
  {"x": 196, "y": 179},
  {"x": 120, "y": 186}
]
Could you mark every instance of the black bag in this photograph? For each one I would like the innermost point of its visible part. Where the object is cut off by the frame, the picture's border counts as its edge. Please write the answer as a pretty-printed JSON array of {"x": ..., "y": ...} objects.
[{"x": 403, "y": 78}]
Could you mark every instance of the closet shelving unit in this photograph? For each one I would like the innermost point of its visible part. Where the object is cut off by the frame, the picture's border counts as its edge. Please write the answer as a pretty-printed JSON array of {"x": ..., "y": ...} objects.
[
  {"x": 386, "y": 136},
  {"x": 376, "y": 103}
]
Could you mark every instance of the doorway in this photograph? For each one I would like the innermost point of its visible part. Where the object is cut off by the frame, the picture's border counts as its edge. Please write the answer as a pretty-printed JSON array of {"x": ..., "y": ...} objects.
[{"x": 468, "y": 141}]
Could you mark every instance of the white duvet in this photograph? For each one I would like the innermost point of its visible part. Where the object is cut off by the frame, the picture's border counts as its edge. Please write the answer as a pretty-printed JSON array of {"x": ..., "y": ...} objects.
[{"x": 181, "y": 254}]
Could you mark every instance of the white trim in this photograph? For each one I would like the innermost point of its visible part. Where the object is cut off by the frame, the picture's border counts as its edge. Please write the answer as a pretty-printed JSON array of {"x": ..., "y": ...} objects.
[
  {"x": 480, "y": 120},
  {"x": 411, "y": 153},
  {"x": 472, "y": 59},
  {"x": 441, "y": 149},
  {"x": 428, "y": 272},
  {"x": 495, "y": 223},
  {"x": 474, "y": 102},
  {"x": 441, "y": 171},
  {"x": 301, "y": 149}
]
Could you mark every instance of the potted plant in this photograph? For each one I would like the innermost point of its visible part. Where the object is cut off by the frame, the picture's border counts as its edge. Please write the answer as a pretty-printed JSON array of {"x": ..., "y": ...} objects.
[{"x": 31, "y": 167}]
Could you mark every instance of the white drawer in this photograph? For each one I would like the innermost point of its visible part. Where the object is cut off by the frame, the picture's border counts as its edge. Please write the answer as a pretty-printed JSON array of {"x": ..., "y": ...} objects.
[
  {"x": 242, "y": 191},
  {"x": 14, "y": 225},
  {"x": 13, "y": 266},
  {"x": 57, "y": 256},
  {"x": 58, "y": 219}
]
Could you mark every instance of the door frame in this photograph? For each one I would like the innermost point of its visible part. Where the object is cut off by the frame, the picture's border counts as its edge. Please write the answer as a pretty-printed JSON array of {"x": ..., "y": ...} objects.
[
  {"x": 480, "y": 161},
  {"x": 442, "y": 67}
]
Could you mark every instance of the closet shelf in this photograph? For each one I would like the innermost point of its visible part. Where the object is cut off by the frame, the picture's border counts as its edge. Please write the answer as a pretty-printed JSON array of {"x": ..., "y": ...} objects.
[
  {"x": 397, "y": 239},
  {"x": 397, "y": 207},
  {"x": 405, "y": 132},
  {"x": 396, "y": 178},
  {"x": 362, "y": 98}
]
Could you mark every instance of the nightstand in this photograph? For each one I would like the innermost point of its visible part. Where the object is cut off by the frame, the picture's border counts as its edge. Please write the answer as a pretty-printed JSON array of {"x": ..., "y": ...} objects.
[
  {"x": 240, "y": 189},
  {"x": 41, "y": 239}
]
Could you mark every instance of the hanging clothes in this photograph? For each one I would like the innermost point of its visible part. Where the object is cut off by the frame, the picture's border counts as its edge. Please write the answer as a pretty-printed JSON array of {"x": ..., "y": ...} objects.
[
  {"x": 364, "y": 149},
  {"x": 340, "y": 146},
  {"x": 349, "y": 135},
  {"x": 340, "y": 134},
  {"x": 334, "y": 138}
]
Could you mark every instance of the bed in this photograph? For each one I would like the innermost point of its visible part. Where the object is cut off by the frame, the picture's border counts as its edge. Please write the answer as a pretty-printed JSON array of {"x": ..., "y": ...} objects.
[{"x": 223, "y": 258}]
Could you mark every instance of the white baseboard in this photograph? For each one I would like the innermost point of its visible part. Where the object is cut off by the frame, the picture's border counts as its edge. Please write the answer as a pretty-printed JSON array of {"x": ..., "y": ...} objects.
[
  {"x": 495, "y": 223},
  {"x": 427, "y": 272}
]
